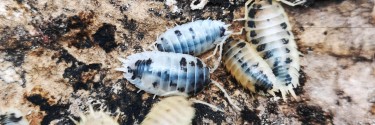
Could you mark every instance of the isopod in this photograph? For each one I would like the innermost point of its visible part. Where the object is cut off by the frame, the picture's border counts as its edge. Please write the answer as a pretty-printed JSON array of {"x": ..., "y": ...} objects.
[
  {"x": 96, "y": 118},
  {"x": 167, "y": 73},
  {"x": 269, "y": 31},
  {"x": 250, "y": 70},
  {"x": 194, "y": 38},
  {"x": 175, "y": 110}
]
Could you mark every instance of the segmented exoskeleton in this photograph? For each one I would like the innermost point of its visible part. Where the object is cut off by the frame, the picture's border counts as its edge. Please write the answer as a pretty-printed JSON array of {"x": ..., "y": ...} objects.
[
  {"x": 162, "y": 72},
  {"x": 194, "y": 38},
  {"x": 269, "y": 31},
  {"x": 166, "y": 73},
  {"x": 250, "y": 70},
  {"x": 175, "y": 110}
]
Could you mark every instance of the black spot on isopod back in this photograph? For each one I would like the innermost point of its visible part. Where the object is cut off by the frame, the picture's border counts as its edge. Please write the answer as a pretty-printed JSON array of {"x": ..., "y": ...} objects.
[
  {"x": 251, "y": 24},
  {"x": 105, "y": 37},
  {"x": 285, "y": 41},
  {"x": 254, "y": 41},
  {"x": 253, "y": 33},
  {"x": 181, "y": 89},
  {"x": 240, "y": 61},
  {"x": 155, "y": 84},
  {"x": 199, "y": 63},
  {"x": 183, "y": 61},
  {"x": 172, "y": 84},
  {"x": 178, "y": 32},
  {"x": 288, "y": 79},
  {"x": 192, "y": 63},
  {"x": 261, "y": 47},
  {"x": 255, "y": 65},
  {"x": 252, "y": 13},
  {"x": 244, "y": 65},
  {"x": 276, "y": 63},
  {"x": 283, "y": 25},
  {"x": 287, "y": 50},
  {"x": 269, "y": 1},
  {"x": 268, "y": 54},
  {"x": 149, "y": 61},
  {"x": 222, "y": 31},
  {"x": 288, "y": 60},
  {"x": 241, "y": 45}
]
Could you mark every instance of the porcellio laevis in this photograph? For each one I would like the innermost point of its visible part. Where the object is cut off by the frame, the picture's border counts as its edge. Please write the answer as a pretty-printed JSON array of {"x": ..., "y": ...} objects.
[
  {"x": 250, "y": 70},
  {"x": 167, "y": 73},
  {"x": 194, "y": 38},
  {"x": 162, "y": 72},
  {"x": 269, "y": 31},
  {"x": 175, "y": 110}
]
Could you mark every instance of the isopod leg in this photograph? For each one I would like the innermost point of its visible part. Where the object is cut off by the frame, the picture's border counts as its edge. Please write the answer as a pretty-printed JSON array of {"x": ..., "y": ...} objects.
[
  {"x": 152, "y": 47},
  {"x": 226, "y": 95},
  {"x": 215, "y": 108},
  {"x": 213, "y": 54},
  {"x": 217, "y": 62}
]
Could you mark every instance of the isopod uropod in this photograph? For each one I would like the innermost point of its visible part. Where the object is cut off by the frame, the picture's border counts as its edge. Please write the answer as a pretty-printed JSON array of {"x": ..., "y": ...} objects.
[
  {"x": 166, "y": 73},
  {"x": 250, "y": 70},
  {"x": 269, "y": 31},
  {"x": 175, "y": 110},
  {"x": 96, "y": 118},
  {"x": 194, "y": 38}
]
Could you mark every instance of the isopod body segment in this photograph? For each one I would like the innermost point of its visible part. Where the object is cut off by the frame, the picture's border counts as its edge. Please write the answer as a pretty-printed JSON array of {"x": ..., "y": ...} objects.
[
  {"x": 250, "y": 70},
  {"x": 175, "y": 110},
  {"x": 269, "y": 31},
  {"x": 161, "y": 73},
  {"x": 193, "y": 38}
]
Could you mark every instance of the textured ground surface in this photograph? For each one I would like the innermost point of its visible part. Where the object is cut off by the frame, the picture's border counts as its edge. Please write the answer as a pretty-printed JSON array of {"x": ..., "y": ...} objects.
[{"x": 57, "y": 57}]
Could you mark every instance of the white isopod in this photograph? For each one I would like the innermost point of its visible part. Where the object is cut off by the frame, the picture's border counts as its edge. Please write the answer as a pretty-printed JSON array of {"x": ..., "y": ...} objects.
[
  {"x": 175, "y": 110},
  {"x": 166, "y": 73},
  {"x": 194, "y": 38},
  {"x": 250, "y": 70},
  {"x": 269, "y": 31}
]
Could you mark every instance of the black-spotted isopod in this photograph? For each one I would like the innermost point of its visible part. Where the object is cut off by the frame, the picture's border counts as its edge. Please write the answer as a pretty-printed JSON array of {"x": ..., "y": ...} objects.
[
  {"x": 250, "y": 70},
  {"x": 269, "y": 31},
  {"x": 166, "y": 73},
  {"x": 194, "y": 38}
]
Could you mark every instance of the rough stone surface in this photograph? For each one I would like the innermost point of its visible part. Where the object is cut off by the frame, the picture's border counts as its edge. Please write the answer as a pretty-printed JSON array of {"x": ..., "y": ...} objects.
[{"x": 58, "y": 57}]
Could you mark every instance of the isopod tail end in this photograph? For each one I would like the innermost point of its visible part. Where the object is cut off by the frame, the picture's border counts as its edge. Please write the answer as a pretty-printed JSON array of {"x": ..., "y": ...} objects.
[{"x": 285, "y": 89}]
